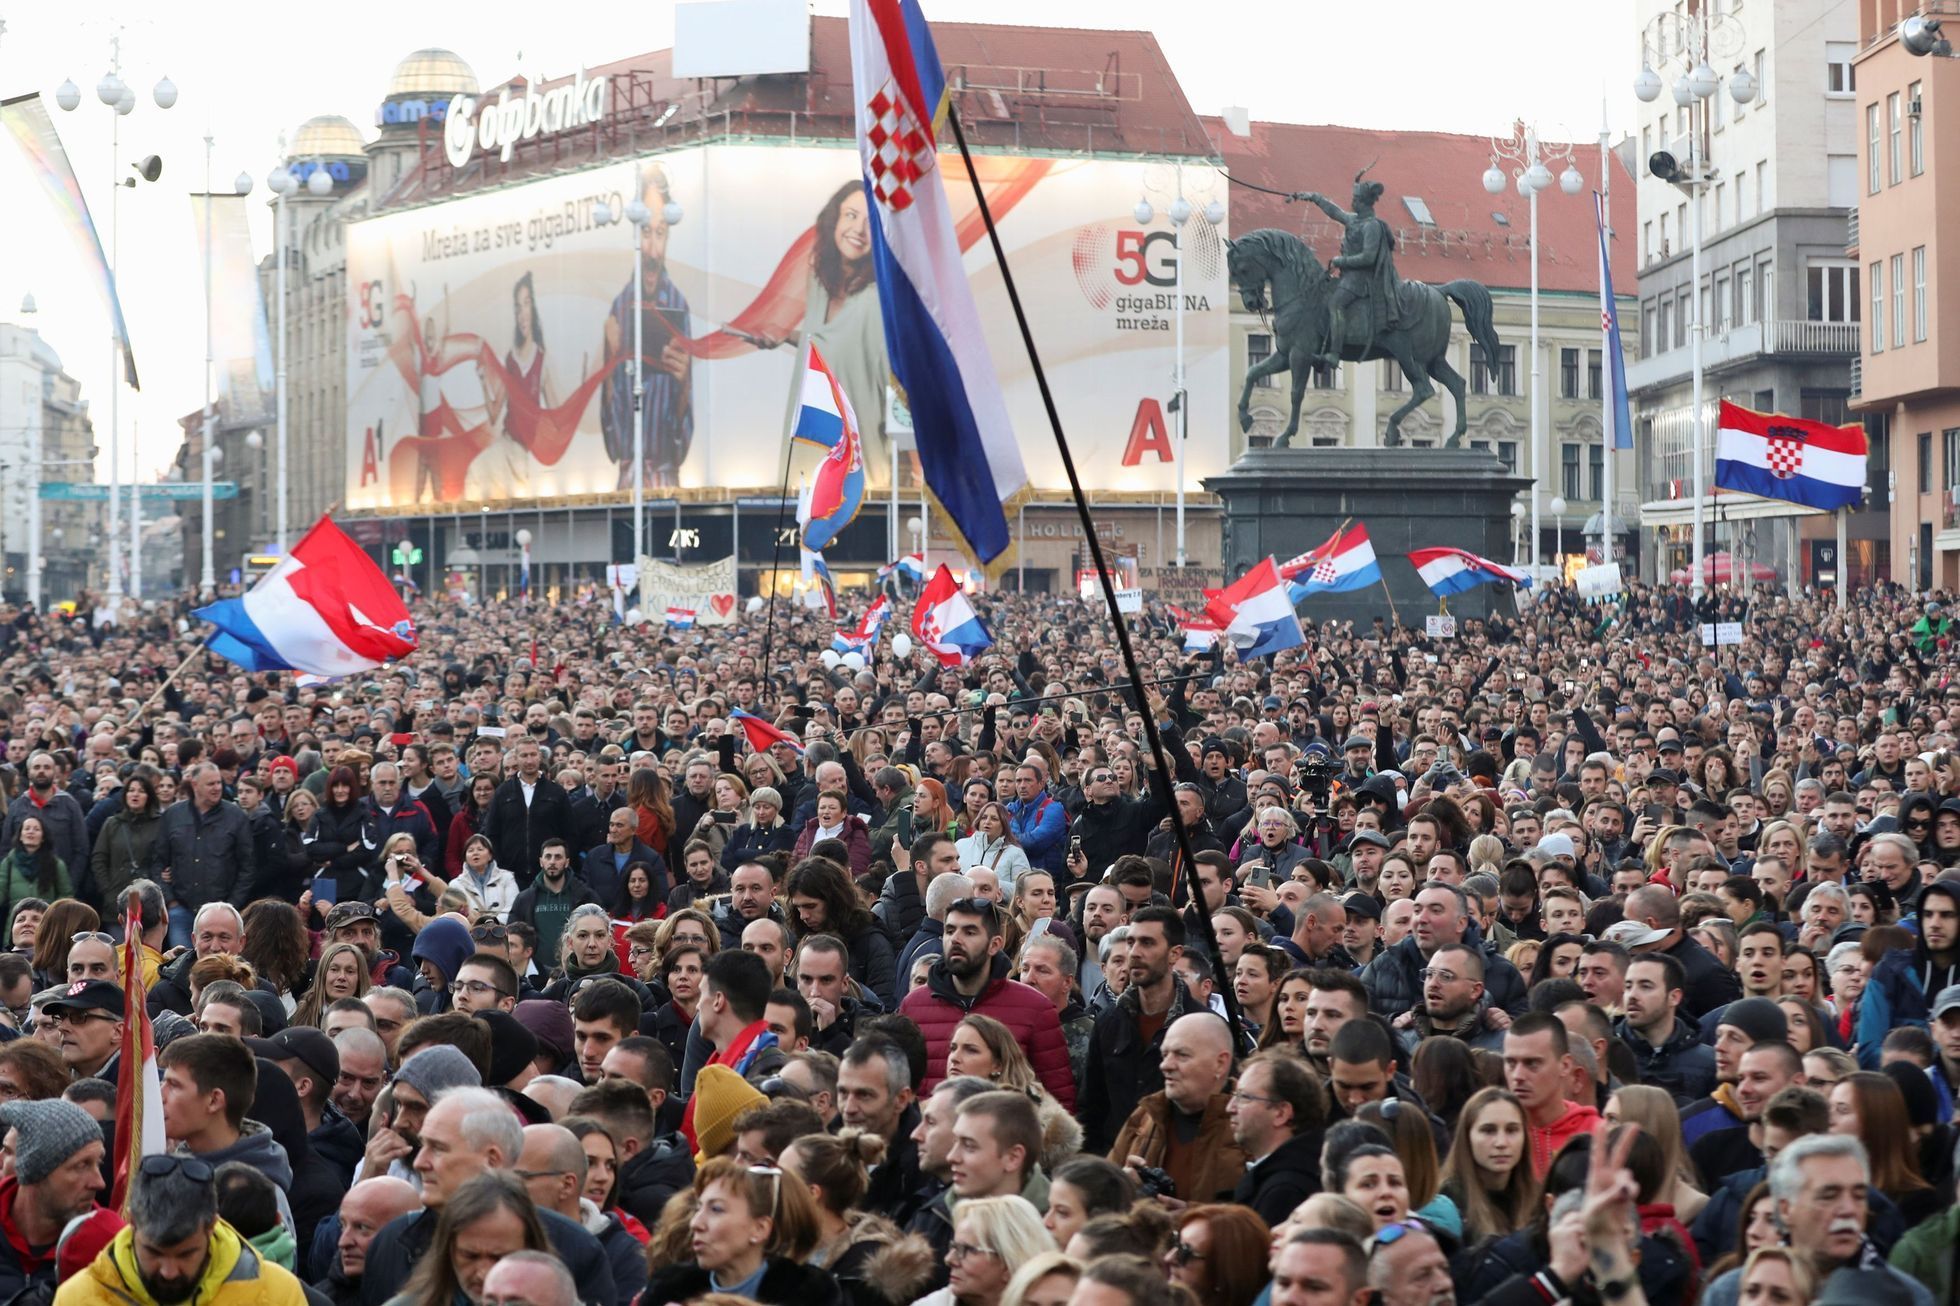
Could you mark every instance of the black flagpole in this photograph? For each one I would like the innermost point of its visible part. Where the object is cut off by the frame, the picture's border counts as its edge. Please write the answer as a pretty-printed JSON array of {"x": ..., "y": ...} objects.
[
  {"x": 1151, "y": 735},
  {"x": 775, "y": 570}
]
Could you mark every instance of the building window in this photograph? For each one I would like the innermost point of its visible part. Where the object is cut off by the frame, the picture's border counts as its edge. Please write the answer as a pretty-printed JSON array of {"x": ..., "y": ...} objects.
[
  {"x": 1950, "y": 451},
  {"x": 1765, "y": 401},
  {"x": 1596, "y": 471},
  {"x": 1762, "y": 184},
  {"x": 1649, "y": 346},
  {"x": 1681, "y": 305},
  {"x": 1840, "y": 78},
  {"x": 1894, "y": 135},
  {"x": 1507, "y": 453},
  {"x": 1898, "y": 301},
  {"x": 1505, "y": 373},
  {"x": 1391, "y": 376},
  {"x": 1594, "y": 362},
  {"x": 1918, "y": 292},
  {"x": 1745, "y": 296},
  {"x": 1568, "y": 374},
  {"x": 1925, "y": 462},
  {"x": 1721, "y": 202},
  {"x": 1569, "y": 472},
  {"x": 1718, "y": 321},
  {"x": 1647, "y": 241},
  {"x": 1762, "y": 77},
  {"x": 1258, "y": 348},
  {"x": 1741, "y": 195},
  {"x": 1915, "y": 137},
  {"x": 1325, "y": 377},
  {"x": 1832, "y": 292},
  {"x": 1831, "y": 407},
  {"x": 1871, "y": 149},
  {"x": 1878, "y": 308},
  {"x": 1664, "y": 244}
]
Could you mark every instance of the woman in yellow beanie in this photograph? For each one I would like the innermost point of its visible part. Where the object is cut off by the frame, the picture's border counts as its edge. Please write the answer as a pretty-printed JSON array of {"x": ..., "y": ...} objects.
[
  {"x": 719, "y": 1096},
  {"x": 754, "y": 1227}
]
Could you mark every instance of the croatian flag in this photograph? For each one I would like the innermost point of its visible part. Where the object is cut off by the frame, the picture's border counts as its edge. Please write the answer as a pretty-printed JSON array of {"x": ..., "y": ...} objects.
[
  {"x": 326, "y": 609},
  {"x": 932, "y": 329},
  {"x": 910, "y": 567},
  {"x": 762, "y": 736},
  {"x": 865, "y": 636},
  {"x": 139, "y": 1088},
  {"x": 823, "y": 589},
  {"x": 1256, "y": 613},
  {"x": 1200, "y": 634},
  {"x": 1345, "y": 562},
  {"x": 1788, "y": 458},
  {"x": 945, "y": 622},
  {"x": 1617, "y": 412},
  {"x": 826, "y": 421},
  {"x": 1452, "y": 571},
  {"x": 680, "y": 618}
]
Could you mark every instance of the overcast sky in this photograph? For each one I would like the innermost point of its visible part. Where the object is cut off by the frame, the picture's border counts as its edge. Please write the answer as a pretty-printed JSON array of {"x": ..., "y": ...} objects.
[{"x": 248, "y": 71}]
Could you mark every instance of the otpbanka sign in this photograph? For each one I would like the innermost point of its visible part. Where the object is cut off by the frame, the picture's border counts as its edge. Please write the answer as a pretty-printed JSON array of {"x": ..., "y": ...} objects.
[{"x": 501, "y": 125}]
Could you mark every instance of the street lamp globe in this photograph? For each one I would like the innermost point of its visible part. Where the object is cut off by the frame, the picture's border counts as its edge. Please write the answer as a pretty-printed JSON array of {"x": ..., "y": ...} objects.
[
  {"x": 319, "y": 181},
  {"x": 164, "y": 93},
  {"x": 1538, "y": 176},
  {"x": 280, "y": 181},
  {"x": 27, "y": 304},
  {"x": 638, "y": 214},
  {"x": 127, "y": 104},
  {"x": 242, "y": 183},
  {"x": 1571, "y": 181},
  {"x": 1494, "y": 179},
  {"x": 1742, "y": 86},
  {"x": 1684, "y": 92},
  {"x": 671, "y": 213},
  {"x": 602, "y": 214},
  {"x": 1180, "y": 211},
  {"x": 109, "y": 89},
  {"x": 68, "y": 96},
  {"x": 1517, "y": 508},
  {"x": 1702, "y": 81},
  {"x": 1143, "y": 213},
  {"x": 1647, "y": 86},
  {"x": 1215, "y": 213},
  {"x": 254, "y": 441},
  {"x": 1557, "y": 505},
  {"x": 524, "y": 539}
]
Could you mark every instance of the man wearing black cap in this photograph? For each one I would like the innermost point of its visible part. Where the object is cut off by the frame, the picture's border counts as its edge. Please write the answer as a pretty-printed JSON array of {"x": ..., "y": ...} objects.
[
  {"x": 355, "y": 922},
  {"x": 1366, "y": 849},
  {"x": 1743, "y": 1025},
  {"x": 312, "y": 1062},
  {"x": 90, "y": 1014},
  {"x": 57, "y": 1174},
  {"x": 1359, "y": 750},
  {"x": 1224, "y": 791}
]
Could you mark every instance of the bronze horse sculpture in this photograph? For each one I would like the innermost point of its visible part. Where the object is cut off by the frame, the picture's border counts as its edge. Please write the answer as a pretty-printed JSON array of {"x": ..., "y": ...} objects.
[{"x": 1298, "y": 301}]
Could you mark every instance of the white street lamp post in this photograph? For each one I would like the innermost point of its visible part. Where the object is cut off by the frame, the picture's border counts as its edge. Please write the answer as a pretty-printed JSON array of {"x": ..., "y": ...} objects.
[
  {"x": 35, "y": 473},
  {"x": 1557, "y": 505},
  {"x": 207, "y": 583},
  {"x": 283, "y": 184}
]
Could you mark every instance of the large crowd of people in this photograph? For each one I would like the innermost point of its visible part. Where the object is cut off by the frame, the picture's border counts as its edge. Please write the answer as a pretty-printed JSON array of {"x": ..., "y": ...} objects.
[{"x": 1567, "y": 958}]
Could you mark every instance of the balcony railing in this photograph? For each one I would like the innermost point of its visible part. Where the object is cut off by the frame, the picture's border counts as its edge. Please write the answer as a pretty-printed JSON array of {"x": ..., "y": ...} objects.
[{"x": 1805, "y": 337}]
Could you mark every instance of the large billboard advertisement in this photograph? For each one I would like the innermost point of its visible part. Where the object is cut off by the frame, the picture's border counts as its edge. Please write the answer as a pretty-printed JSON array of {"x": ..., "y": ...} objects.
[{"x": 492, "y": 337}]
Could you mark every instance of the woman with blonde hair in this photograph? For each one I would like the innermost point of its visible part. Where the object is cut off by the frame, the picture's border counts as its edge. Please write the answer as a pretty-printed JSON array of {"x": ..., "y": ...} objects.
[
  {"x": 1487, "y": 854},
  {"x": 1045, "y": 1280},
  {"x": 1783, "y": 840},
  {"x": 1654, "y": 1111},
  {"x": 992, "y": 1238},
  {"x": 986, "y": 1049},
  {"x": 700, "y": 930}
]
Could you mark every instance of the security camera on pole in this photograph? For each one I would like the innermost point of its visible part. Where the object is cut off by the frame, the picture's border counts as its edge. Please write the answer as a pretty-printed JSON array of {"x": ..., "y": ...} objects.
[{"x": 1688, "y": 41}]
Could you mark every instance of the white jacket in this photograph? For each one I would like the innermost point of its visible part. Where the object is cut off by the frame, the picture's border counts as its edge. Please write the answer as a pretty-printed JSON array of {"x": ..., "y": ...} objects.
[
  {"x": 999, "y": 856},
  {"x": 497, "y": 892}
]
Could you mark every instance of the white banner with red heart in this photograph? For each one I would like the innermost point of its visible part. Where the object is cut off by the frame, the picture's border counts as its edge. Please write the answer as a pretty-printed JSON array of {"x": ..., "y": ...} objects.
[{"x": 705, "y": 588}]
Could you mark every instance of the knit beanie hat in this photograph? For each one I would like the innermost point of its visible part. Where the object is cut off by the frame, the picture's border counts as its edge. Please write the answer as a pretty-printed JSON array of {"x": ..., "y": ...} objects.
[
  {"x": 512, "y": 1047},
  {"x": 551, "y": 1023},
  {"x": 166, "y": 1027},
  {"x": 84, "y": 1239},
  {"x": 719, "y": 1096},
  {"x": 434, "y": 1069},
  {"x": 49, "y": 1131},
  {"x": 1761, "y": 1019}
]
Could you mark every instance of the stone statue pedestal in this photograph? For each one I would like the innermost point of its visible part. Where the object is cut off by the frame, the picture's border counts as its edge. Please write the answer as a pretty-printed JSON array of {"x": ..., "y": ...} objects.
[{"x": 1286, "y": 501}]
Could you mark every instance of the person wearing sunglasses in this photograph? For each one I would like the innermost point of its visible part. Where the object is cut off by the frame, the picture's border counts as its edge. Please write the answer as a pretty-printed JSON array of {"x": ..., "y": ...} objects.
[
  {"x": 1219, "y": 1254},
  {"x": 1408, "y": 1266}
]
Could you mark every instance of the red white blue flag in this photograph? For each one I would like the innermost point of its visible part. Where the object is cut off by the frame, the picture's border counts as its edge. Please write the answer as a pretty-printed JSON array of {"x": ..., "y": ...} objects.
[
  {"x": 1452, "y": 571},
  {"x": 946, "y": 623},
  {"x": 932, "y": 329},
  {"x": 327, "y": 609},
  {"x": 825, "y": 420},
  {"x": 1256, "y": 612},
  {"x": 1777, "y": 457}
]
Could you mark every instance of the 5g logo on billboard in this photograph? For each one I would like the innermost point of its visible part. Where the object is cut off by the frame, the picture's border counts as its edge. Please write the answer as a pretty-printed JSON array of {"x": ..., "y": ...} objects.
[
  {"x": 374, "y": 305},
  {"x": 1146, "y": 258}
]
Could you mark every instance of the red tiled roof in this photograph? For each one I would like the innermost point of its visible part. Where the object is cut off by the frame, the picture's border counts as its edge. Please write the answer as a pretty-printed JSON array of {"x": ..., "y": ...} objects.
[
  {"x": 1016, "y": 88},
  {"x": 1446, "y": 172}
]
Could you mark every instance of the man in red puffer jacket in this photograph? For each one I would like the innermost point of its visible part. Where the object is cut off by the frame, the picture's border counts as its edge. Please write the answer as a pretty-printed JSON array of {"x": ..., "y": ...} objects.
[
  {"x": 1537, "y": 1066},
  {"x": 971, "y": 977}
]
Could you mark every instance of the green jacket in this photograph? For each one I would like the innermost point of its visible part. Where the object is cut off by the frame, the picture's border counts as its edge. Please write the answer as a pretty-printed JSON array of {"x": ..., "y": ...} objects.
[
  {"x": 17, "y": 881},
  {"x": 1926, "y": 1253}
]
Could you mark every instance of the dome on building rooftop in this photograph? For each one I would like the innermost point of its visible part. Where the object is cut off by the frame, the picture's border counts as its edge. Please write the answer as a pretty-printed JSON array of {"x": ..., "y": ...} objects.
[
  {"x": 432, "y": 72},
  {"x": 327, "y": 136}
]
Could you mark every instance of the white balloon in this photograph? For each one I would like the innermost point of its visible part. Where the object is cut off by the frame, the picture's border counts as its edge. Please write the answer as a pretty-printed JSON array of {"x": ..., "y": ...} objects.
[
  {"x": 754, "y": 604},
  {"x": 829, "y": 659},
  {"x": 634, "y": 616},
  {"x": 902, "y": 644},
  {"x": 854, "y": 660}
]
